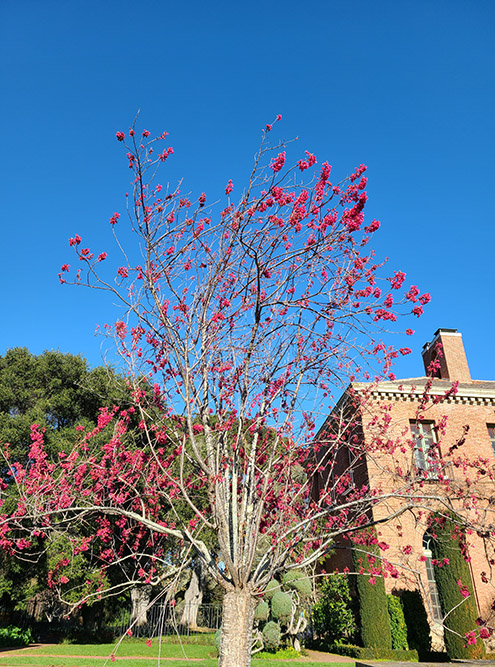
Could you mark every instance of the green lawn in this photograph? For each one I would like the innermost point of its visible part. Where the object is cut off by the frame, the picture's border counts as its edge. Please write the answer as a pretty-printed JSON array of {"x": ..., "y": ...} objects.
[{"x": 130, "y": 653}]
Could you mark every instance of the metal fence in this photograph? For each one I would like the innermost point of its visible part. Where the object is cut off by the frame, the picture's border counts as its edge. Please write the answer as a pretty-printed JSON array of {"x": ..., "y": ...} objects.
[{"x": 167, "y": 620}]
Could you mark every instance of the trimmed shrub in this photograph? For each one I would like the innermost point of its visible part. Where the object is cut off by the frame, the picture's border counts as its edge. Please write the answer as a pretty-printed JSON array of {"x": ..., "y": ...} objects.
[
  {"x": 272, "y": 587},
  {"x": 271, "y": 635},
  {"x": 447, "y": 544},
  {"x": 418, "y": 628},
  {"x": 332, "y": 616},
  {"x": 362, "y": 653},
  {"x": 398, "y": 626},
  {"x": 262, "y": 611},
  {"x": 297, "y": 581},
  {"x": 373, "y": 608},
  {"x": 281, "y": 606}
]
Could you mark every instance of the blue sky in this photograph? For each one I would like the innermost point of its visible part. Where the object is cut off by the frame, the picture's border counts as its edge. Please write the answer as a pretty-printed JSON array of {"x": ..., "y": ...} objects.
[{"x": 405, "y": 87}]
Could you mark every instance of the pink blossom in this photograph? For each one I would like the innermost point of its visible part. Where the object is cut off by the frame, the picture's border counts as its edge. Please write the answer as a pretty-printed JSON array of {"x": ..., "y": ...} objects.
[
  {"x": 463, "y": 589},
  {"x": 229, "y": 187},
  {"x": 120, "y": 136},
  {"x": 75, "y": 241},
  {"x": 279, "y": 116},
  {"x": 268, "y": 127},
  {"x": 278, "y": 162},
  {"x": 123, "y": 272},
  {"x": 413, "y": 293},
  {"x": 425, "y": 298},
  {"x": 397, "y": 279},
  {"x": 146, "y": 133},
  {"x": 114, "y": 218},
  {"x": 102, "y": 256},
  {"x": 417, "y": 310},
  {"x": 202, "y": 199},
  {"x": 409, "y": 332},
  {"x": 471, "y": 637},
  {"x": 148, "y": 643},
  {"x": 405, "y": 350},
  {"x": 372, "y": 227}
]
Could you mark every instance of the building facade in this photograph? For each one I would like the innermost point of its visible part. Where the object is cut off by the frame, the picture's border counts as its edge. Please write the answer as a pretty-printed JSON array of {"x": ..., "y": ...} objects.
[{"x": 433, "y": 436}]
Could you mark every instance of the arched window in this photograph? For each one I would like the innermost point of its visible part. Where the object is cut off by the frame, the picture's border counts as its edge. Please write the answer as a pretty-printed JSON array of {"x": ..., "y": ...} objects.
[{"x": 436, "y": 610}]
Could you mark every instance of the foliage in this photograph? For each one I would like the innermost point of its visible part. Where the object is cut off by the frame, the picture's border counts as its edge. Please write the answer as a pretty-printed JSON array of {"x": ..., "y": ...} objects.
[
  {"x": 369, "y": 653},
  {"x": 333, "y": 620},
  {"x": 272, "y": 587},
  {"x": 284, "y": 603},
  {"x": 262, "y": 611},
  {"x": 297, "y": 581},
  {"x": 271, "y": 635},
  {"x": 455, "y": 589},
  {"x": 281, "y": 606},
  {"x": 416, "y": 619},
  {"x": 55, "y": 390},
  {"x": 286, "y": 653},
  {"x": 398, "y": 626},
  {"x": 374, "y": 620},
  {"x": 14, "y": 636}
]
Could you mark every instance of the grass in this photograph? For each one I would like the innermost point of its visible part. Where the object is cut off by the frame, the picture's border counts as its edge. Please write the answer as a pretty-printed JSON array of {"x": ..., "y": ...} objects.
[{"x": 130, "y": 653}]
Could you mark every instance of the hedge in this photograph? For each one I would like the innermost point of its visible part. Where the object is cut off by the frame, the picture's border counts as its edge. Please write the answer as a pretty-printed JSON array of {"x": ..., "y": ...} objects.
[{"x": 366, "y": 653}]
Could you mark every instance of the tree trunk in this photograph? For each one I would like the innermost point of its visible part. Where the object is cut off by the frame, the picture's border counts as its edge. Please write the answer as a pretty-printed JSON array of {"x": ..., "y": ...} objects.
[
  {"x": 237, "y": 629},
  {"x": 140, "y": 598},
  {"x": 192, "y": 599}
]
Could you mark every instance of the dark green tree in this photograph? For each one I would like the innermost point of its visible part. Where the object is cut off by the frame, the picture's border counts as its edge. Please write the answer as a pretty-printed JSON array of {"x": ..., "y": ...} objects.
[
  {"x": 373, "y": 608},
  {"x": 59, "y": 392},
  {"x": 55, "y": 390},
  {"x": 455, "y": 589}
]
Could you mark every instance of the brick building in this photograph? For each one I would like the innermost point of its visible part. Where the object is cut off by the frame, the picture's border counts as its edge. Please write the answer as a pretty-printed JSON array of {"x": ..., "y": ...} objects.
[{"x": 398, "y": 440}]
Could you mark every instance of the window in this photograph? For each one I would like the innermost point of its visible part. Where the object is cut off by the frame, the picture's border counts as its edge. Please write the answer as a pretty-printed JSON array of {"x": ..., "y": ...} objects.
[
  {"x": 424, "y": 449},
  {"x": 491, "y": 433},
  {"x": 436, "y": 610}
]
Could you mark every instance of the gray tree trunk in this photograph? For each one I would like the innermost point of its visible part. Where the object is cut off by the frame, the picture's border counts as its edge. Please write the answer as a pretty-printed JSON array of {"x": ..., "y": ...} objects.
[
  {"x": 237, "y": 629},
  {"x": 192, "y": 598},
  {"x": 140, "y": 599}
]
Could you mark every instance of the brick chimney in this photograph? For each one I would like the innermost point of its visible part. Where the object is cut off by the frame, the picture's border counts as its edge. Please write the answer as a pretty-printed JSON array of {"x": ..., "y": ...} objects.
[{"x": 453, "y": 363}]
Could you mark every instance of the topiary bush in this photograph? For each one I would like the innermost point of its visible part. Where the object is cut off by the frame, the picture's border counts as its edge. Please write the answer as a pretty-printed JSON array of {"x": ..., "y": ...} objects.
[
  {"x": 297, "y": 581},
  {"x": 456, "y": 599},
  {"x": 281, "y": 606},
  {"x": 398, "y": 626},
  {"x": 271, "y": 635},
  {"x": 262, "y": 611},
  {"x": 284, "y": 603},
  {"x": 272, "y": 587},
  {"x": 418, "y": 628},
  {"x": 333, "y": 619},
  {"x": 373, "y": 608}
]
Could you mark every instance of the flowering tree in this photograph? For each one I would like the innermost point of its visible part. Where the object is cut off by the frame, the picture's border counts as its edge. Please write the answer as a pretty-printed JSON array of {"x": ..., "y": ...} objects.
[{"x": 239, "y": 324}]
